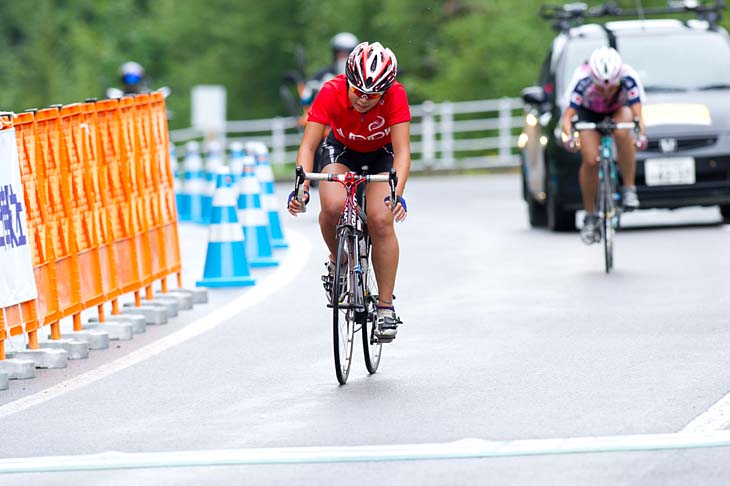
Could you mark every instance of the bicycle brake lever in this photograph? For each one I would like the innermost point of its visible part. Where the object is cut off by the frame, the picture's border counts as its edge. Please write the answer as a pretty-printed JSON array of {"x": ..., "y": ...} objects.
[
  {"x": 299, "y": 187},
  {"x": 393, "y": 184}
]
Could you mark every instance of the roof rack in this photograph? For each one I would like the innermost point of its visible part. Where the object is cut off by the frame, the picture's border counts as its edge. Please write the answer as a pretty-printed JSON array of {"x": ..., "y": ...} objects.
[{"x": 574, "y": 14}]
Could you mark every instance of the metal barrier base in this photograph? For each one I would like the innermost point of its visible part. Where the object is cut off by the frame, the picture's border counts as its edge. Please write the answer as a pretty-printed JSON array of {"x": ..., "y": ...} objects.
[
  {"x": 75, "y": 348},
  {"x": 153, "y": 313},
  {"x": 18, "y": 369},
  {"x": 4, "y": 385},
  {"x": 184, "y": 301},
  {"x": 169, "y": 302},
  {"x": 49, "y": 358},
  {"x": 199, "y": 296},
  {"x": 97, "y": 338}
]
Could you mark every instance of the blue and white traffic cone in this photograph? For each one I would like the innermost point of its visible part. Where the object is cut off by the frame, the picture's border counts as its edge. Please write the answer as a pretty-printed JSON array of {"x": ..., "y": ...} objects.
[
  {"x": 253, "y": 218},
  {"x": 213, "y": 161},
  {"x": 193, "y": 184},
  {"x": 226, "y": 264},
  {"x": 265, "y": 175},
  {"x": 235, "y": 161},
  {"x": 176, "y": 185}
]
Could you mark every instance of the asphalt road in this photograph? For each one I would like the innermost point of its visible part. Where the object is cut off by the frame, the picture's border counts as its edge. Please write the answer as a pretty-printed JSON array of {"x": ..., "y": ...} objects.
[{"x": 510, "y": 333}]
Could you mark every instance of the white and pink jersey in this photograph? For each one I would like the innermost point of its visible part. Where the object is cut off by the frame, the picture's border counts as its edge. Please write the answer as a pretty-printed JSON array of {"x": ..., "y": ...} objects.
[{"x": 582, "y": 92}]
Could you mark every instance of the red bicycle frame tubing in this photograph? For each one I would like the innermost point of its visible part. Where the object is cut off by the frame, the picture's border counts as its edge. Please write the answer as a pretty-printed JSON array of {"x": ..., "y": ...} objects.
[{"x": 350, "y": 184}]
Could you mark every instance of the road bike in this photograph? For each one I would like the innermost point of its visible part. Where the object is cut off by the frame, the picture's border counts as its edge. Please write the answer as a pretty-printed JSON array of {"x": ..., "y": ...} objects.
[
  {"x": 608, "y": 201},
  {"x": 354, "y": 292}
]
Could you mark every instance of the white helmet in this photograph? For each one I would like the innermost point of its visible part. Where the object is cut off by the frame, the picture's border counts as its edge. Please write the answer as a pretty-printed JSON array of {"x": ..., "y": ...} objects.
[
  {"x": 343, "y": 42},
  {"x": 371, "y": 67},
  {"x": 605, "y": 65}
]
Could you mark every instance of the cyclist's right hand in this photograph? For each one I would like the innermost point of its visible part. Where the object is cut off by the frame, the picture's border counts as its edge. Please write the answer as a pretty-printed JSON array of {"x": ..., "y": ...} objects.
[
  {"x": 294, "y": 206},
  {"x": 570, "y": 145}
]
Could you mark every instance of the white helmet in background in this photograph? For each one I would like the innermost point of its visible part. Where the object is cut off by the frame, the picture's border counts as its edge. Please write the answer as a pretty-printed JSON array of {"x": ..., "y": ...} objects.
[
  {"x": 605, "y": 66},
  {"x": 343, "y": 42}
]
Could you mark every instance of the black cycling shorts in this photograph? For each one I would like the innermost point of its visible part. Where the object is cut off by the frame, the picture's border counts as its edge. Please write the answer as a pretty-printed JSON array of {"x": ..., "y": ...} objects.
[
  {"x": 332, "y": 151},
  {"x": 591, "y": 116}
]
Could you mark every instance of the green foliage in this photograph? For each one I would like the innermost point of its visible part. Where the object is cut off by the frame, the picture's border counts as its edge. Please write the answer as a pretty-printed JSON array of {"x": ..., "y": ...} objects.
[{"x": 62, "y": 51}]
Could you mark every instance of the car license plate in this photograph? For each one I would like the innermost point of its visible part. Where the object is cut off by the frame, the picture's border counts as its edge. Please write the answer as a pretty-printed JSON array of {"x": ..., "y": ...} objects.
[{"x": 668, "y": 171}]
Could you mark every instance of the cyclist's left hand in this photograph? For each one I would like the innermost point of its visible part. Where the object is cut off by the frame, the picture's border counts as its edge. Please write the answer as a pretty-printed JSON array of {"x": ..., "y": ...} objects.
[
  {"x": 401, "y": 209},
  {"x": 641, "y": 142},
  {"x": 294, "y": 206}
]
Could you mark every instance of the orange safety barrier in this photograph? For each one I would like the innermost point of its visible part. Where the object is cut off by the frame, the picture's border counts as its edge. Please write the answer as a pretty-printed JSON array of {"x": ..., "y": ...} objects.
[
  {"x": 101, "y": 210},
  {"x": 59, "y": 213},
  {"x": 135, "y": 195},
  {"x": 109, "y": 282},
  {"x": 116, "y": 198},
  {"x": 84, "y": 185},
  {"x": 33, "y": 174},
  {"x": 168, "y": 211}
]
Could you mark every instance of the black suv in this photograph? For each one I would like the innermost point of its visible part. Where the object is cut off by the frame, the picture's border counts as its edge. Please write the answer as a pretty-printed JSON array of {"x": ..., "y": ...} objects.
[{"x": 685, "y": 68}]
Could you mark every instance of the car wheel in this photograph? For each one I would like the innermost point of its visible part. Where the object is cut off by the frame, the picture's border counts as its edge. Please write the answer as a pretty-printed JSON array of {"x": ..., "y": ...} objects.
[
  {"x": 536, "y": 212},
  {"x": 558, "y": 219},
  {"x": 725, "y": 211}
]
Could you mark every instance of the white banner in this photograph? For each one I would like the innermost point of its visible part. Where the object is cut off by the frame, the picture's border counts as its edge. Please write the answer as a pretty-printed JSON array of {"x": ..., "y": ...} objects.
[{"x": 16, "y": 264}]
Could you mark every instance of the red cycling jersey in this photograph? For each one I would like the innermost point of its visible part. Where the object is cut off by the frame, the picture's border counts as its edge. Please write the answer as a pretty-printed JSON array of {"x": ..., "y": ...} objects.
[{"x": 361, "y": 132}]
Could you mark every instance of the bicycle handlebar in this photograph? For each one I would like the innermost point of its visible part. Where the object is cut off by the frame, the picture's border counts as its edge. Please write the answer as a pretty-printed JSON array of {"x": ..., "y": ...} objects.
[
  {"x": 301, "y": 176},
  {"x": 606, "y": 125},
  {"x": 315, "y": 176}
]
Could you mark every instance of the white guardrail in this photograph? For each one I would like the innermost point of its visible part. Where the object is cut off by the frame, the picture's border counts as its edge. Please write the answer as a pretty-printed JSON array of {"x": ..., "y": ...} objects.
[{"x": 444, "y": 136}]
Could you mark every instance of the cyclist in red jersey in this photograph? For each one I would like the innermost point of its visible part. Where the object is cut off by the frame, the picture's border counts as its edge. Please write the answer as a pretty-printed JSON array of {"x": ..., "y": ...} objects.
[{"x": 369, "y": 118}]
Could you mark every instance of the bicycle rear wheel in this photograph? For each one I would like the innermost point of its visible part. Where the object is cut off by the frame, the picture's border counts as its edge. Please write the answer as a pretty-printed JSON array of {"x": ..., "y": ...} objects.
[
  {"x": 371, "y": 347},
  {"x": 343, "y": 306}
]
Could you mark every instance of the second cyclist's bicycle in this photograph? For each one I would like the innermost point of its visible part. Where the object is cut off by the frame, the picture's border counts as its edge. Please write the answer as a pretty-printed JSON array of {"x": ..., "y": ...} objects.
[
  {"x": 608, "y": 203},
  {"x": 354, "y": 292}
]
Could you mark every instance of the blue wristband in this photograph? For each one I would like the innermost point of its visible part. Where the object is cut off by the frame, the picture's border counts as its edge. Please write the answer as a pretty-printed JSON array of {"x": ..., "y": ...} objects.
[
  {"x": 401, "y": 200},
  {"x": 291, "y": 196}
]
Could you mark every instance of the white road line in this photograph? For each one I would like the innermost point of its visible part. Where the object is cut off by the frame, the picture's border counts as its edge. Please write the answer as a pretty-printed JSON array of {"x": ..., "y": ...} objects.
[
  {"x": 717, "y": 417},
  {"x": 295, "y": 260},
  {"x": 461, "y": 449}
]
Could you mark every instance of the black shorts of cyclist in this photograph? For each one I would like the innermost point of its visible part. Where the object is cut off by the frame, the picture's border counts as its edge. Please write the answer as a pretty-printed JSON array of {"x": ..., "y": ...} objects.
[
  {"x": 332, "y": 151},
  {"x": 591, "y": 116}
]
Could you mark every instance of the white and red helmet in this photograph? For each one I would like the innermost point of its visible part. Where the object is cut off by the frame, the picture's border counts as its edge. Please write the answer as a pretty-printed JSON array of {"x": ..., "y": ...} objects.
[
  {"x": 605, "y": 66},
  {"x": 371, "y": 68}
]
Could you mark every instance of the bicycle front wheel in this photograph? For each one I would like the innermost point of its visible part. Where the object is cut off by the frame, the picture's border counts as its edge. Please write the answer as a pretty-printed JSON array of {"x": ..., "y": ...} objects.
[
  {"x": 343, "y": 306},
  {"x": 371, "y": 346},
  {"x": 609, "y": 213}
]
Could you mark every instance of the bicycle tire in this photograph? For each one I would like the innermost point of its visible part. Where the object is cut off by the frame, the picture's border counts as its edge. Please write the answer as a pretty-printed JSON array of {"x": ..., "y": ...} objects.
[
  {"x": 343, "y": 319},
  {"x": 609, "y": 208},
  {"x": 372, "y": 348}
]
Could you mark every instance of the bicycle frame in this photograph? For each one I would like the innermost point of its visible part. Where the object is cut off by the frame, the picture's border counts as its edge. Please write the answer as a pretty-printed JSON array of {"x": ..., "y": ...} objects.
[
  {"x": 351, "y": 216},
  {"x": 608, "y": 169}
]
